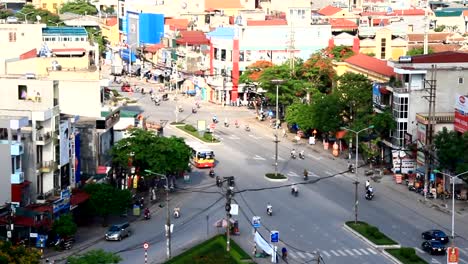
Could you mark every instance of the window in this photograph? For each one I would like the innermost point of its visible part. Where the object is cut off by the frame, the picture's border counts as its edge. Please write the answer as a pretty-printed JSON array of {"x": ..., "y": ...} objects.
[
  {"x": 44, "y": 6},
  {"x": 22, "y": 92},
  {"x": 241, "y": 55},
  {"x": 12, "y": 165},
  {"x": 55, "y": 5},
  {"x": 12, "y": 36},
  {"x": 460, "y": 80},
  {"x": 383, "y": 44},
  {"x": 215, "y": 53},
  {"x": 223, "y": 54}
]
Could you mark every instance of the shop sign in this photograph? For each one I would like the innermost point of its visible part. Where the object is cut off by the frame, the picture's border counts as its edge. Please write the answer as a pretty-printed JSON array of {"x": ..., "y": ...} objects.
[
  {"x": 408, "y": 164},
  {"x": 452, "y": 255},
  {"x": 461, "y": 104},
  {"x": 461, "y": 121}
]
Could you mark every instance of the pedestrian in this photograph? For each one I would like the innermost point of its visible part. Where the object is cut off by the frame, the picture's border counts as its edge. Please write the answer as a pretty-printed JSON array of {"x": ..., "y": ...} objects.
[{"x": 284, "y": 132}]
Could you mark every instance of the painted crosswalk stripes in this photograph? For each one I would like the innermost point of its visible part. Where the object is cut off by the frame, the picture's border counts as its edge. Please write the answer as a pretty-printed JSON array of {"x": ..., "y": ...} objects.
[
  {"x": 325, "y": 253},
  {"x": 463, "y": 251},
  {"x": 292, "y": 174},
  {"x": 357, "y": 252},
  {"x": 300, "y": 254},
  {"x": 310, "y": 255},
  {"x": 341, "y": 252},
  {"x": 311, "y": 174},
  {"x": 257, "y": 157},
  {"x": 349, "y": 252},
  {"x": 331, "y": 253},
  {"x": 334, "y": 253},
  {"x": 363, "y": 251},
  {"x": 371, "y": 251}
]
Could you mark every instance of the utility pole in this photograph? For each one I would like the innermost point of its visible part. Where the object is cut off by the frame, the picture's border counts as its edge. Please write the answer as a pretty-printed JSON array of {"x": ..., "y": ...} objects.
[
  {"x": 229, "y": 195},
  {"x": 277, "y": 82},
  {"x": 168, "y": 222},
  {"x": 430, "y": 87},
  {"x": 291, "y": 48}
]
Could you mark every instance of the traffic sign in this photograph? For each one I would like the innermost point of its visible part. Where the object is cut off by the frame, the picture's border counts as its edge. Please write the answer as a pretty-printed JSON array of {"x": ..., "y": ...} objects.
[
  {"x": 256, "y": 221},
  {"x": 452, "y": 255},
  {"x": 274, "y": 236},
  {"x": 212, "y": 125},
  {"x": 145, "y": 245}
]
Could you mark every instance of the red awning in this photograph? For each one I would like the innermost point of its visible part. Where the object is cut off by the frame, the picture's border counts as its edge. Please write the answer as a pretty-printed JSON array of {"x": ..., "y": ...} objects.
[
  {"x": 383, "y": 90},
  {"x": 76, "y": 51},
  {"x": 101, "y": 170},
  {"x": 340, "y": 134},
  {"x": 78, "y": 197}
]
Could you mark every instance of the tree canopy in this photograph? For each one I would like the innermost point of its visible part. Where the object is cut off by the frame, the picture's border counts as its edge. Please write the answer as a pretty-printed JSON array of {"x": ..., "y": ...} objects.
[
  {"x": 80, "y": 7},
  {"x": 451, "y": 151},
  {"x": 33, "y": 13},
  {"x": 95, "y": 256},
  {"x": 150, "y": 152},
  {"x": 418, "y": 51},
  {"x": 106, "y": 200},
  {"x": 65, "y": 226},
  {"x": 4, "y": 13},
  {"x": 10, "y": 254}
]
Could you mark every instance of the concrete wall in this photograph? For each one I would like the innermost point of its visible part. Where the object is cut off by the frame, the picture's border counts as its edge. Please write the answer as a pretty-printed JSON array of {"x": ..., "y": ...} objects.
[
  {"x": 28, "y": 37},
  {"x": 80, "y": 97},
  {"x": 5, "y": 173},
  {"x": 9, "y": 90},
  {"x": 43, "y": 66}
]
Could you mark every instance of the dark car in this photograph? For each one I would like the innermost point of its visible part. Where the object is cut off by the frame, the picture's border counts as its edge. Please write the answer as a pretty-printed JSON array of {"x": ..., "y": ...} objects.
[
  {"x": 435, "y": 234},
  {"x": 433, "y": 247}
]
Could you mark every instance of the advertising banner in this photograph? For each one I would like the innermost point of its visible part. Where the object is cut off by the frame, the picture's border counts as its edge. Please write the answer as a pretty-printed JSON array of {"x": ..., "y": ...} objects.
[
  {"x": 64, "y": 143},
  {"x": 461, "y": 122},
  {"x": 403, "y": 160}
]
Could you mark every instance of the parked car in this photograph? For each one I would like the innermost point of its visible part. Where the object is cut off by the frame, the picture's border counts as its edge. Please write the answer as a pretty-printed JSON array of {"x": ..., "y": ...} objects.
[
  {"x": 126, "y": 88},
  {"x": 117, "y": 232},
  {"x": 433, "y": 247},
  {"x": 435, "y": 234}
]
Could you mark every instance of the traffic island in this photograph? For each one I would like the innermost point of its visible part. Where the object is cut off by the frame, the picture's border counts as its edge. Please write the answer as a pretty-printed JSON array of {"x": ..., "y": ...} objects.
[
  {"x": 276, "y": 177},
  {"x": 371, "y": 234},
  {"x": 192, "y": 131},
  {"x": 406, "y": 255},
  {"x": 213, "y": 251}
]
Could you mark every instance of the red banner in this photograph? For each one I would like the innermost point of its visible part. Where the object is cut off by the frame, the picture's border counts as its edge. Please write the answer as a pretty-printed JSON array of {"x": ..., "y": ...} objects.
[
  {"x": 452, "y": 255},
  {"x": 461, "y": 122}
]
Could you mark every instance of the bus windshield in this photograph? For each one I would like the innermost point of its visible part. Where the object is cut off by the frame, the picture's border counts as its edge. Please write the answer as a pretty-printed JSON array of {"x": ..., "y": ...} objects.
[{"x": 205, "y": 155}]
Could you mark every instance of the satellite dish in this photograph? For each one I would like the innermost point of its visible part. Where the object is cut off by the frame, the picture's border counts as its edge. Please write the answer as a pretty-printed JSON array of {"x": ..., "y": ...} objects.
[{"x": 38, "y": 18}]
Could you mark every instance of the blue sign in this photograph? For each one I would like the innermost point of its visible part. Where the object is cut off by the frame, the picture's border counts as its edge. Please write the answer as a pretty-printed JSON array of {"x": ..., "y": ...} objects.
[
  {"x": 432, "y": 177},
  {"x": 41, "y": 241},
  {"x": 274, "y": 235},
  {"x": 256, "y": 221}
]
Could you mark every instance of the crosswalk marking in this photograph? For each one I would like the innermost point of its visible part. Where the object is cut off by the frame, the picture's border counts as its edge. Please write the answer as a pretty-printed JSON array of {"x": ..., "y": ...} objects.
[
  {"x": 334, "y": 253},
  {"x": 371, "y": 251},
  {"x": 363, "y": 251},
  {"x": 433, "y": 260},
  {"x": 314, "y": 157},
  {"x": 341, "y": 252},
  {"x": 300, "y": 254},
  {"x": 349, "y": 252},
  {"x": 312, "y": 174},
  {"x": 328, "y": 173},
  {"x": 357, "y": 252},
  {"x": 462, "y": 251},
  {"x": 250, "y": 135},
  {"x": 419, "y": 250},
  {"x": 234, "y": 137},
  {"x": 257, "y": 157},
  {"x": 279, "y": 158},
  {"x": 310, "y": 255},
  {"x": 292, "y": 174},
  {"x": 291, "y": 254},
  {"x": 325, "y": 253}
]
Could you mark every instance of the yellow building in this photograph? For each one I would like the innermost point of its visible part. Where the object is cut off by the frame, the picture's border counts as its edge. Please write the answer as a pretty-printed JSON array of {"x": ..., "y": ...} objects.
[
  {"x": 374, "y": 69},
  {"x": 52, "y": 6},
  {"x": 110, "y": 30},
  {"x": 383, "y": 45}
]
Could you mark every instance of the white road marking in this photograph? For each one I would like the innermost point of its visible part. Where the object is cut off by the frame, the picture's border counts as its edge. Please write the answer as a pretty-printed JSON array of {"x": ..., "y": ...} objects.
[
  {"x": 334, "y": 253},
  {"x": 279, "y": 158},
  {"x": 312, "y": 174},
  {"x": 364, "y": 251},
  {"x": 292, "y": 174},
  {"x": 300, "y": 254},
  {"x": 328, "y": 173},
  {"x": 357, "y": 252},
  {"x": 462, "y": 251},
  {"x": 234, "y": 137},
  {"x": 314, "y": 157},
  {"x": 250, "y": 135},
  {"x": 341, "y": 252},
  {"x": 433, "y": 260},
  {"x": 325, "y": 253},
  {"x": 462, "y": 260},
  {"x": 419, "y": 250},
  {"x": 257, "y": 157},
  {"x": 371, "y": 251},
  {"x": 310, "y": 255},
  {"x": 349, "y": 252},
  {"x": 291, "y": 254}
]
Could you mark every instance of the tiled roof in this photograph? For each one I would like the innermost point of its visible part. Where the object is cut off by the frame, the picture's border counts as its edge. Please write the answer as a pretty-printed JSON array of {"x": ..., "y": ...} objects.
[
  {"x": 432, "y": 37},
  {"x": 441, "y": 57},
  {"x": 274, "y": 22},
  {"x": 342, "y": 23},
  {"x": 371, "y": 64},
  {"x": 465, "y": 13},
  {"x": 329, "y": 10},
  {"x": 154, "y": 48},
  {"x": 408, "y": 12},
  {"x": 192, "y": 38},
  {"x": 176, "y": 23},
  {"x": 377, "y": 22},
  {"x": 223, "y": 4}
]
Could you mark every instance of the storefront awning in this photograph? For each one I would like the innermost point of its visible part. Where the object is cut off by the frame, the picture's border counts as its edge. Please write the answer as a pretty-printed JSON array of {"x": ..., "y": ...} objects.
[
  {"x": 69, "y": 52},
  {"x": 78, "y": 197}
]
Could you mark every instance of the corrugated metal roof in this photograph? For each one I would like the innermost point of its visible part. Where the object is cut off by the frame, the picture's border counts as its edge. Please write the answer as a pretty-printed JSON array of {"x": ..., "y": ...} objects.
[
  {"x": 64, "y": 31},
  {"x": 449, "y": 12}
]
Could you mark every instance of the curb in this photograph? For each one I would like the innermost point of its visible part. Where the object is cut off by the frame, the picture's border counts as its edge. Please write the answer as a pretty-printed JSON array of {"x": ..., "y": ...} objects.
[
  {"x": 276, "y": 180},
  {"x": 381, "y": 248},
  {"x": 193, "y": 137}
]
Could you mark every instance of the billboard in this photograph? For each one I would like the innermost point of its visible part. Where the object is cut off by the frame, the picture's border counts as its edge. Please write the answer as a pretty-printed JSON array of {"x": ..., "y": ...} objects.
[
  {"x": 132, "y": 29},
  {"x": 64, "y": 143},
  {"x": 402, "y": 160},
  {"x": 151, "y": 28},
  {"x": 461, "y": 113}
]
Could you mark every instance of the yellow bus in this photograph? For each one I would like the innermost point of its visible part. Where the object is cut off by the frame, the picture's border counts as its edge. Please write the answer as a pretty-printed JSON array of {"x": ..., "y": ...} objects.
[{"x": 202, "y": 156}]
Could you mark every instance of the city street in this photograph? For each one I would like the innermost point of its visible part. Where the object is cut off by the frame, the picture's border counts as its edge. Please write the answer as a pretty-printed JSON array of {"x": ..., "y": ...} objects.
[{"x": 309, "y": 223}]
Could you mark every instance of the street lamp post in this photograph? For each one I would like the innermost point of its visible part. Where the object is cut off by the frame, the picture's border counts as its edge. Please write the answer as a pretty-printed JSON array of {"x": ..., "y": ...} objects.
[
  {"x": 356, "y": 182},
  {"x": 453, "y": 198},
  {"x": 129, "y": 46},
  {"x": 25, "y": 16},
  {"x": 56, "y": 23},
  {"x": 168, "y": 215},
  {"x": 277, "y": 82}
]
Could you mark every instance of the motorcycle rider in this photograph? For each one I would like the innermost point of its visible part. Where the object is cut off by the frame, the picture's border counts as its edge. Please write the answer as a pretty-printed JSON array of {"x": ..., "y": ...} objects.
[
  {"x": 226, "y": 123},
  {"x": 215, "y": 119},
  {"x": 212, "y": 173},
  {"x": 269, "y": 209},
  {"x": 176, "y": 212},
  {"x": 367, "y": 185},
  {"x": 306, "y": 175},
  {"x": 301, "y": 154},
  {"x": 147, "y": 213},
  {"x": 293, "y": 153},
  {"x": 294, "y": 189},
  {"x": 370, "y": 191}
]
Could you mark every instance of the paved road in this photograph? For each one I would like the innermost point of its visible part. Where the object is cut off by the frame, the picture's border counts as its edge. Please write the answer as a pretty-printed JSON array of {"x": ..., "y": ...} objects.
[{"x": 308, "y": 224}]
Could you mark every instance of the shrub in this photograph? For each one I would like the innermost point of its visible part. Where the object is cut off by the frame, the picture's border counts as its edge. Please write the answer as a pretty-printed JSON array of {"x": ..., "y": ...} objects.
[
  {"x": 371, "y": 230},
  {"x": 407, "y": 252},
  {"x": 414, "y": 258},
  {"x": 190, "y": 128}
]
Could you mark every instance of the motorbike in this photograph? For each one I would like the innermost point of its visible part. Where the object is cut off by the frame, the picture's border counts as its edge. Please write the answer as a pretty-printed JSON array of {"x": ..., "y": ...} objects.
[
  {"x": 212, "y": 173},
  {"x": 293, "y": 156},
  {"x": 351, "y": 168},
  {"x": 294, "y": 191},
  {"x": 176, "y": 212},
  {"x": 180, "y": 109},
  {"x": 147, "y": 216},
  {"x": 270, "y": 211},
  {"x": 369, "y": 195},
  {"x": 226, "y": 124},
  {"x": 236, "y": 124},
  {"x": 247, "y": 128},
  {"x": 301, "y": 155},
  {"x": 194, "y": 110}
]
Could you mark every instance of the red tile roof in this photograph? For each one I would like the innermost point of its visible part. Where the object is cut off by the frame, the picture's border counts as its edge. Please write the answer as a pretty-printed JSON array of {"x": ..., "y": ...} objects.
[
  {"x": 29, "y": 54},
  {"x": 176, "y": 24},
  {"x": 342, "y": 23},
  {"x": 371, "y": 64},
  {"x": 329, "y": 10},
  {"x": 192, "y": 38},
  {"x": 465, "y": 13},
  {"x": 408, "y": 12},
  {"x": 274, "y": 22},
  {"x": 442, "y": 57},
  {"x": 377, "y": 22},
  {"x": 224, "y": 4},
  {"x": 432, "y": 37},
  {"x": 154, "y": 48}
]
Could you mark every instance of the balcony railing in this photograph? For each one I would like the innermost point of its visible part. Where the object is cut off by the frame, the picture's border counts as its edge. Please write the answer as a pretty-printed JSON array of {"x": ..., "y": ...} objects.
[
  {"x": 47, "y": 166},
  {"x": 43, "y": 138},
  {"x": 438, "y": 118}
]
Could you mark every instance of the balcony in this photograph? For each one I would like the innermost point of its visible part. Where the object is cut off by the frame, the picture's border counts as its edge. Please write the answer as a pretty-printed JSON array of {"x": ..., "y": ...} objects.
[
  {"x": 43, "y": 138},
  {"x": 16, "y": 148},
  {"x": 438, "y": 118},
  {"x": 47, "y": 166},
  {"x": 17, "y": 177}
]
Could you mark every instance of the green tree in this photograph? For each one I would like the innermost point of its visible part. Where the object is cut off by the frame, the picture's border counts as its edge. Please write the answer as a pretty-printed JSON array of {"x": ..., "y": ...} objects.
[
  {"x": 318, "y": 71},
  {"x": 95, "y": 256},
  {"x": 80, "y": 7},
  {"x": 64, "y": 226},
  {"x": 159, "y": 154},
  {"x": 300, "y": 114},
  {"x": 18, "y": 254},
  {"x": 96, "y": 37},
  {"x": 340, "y": 53},
  {"x": 4, "y": 13},
  {"x": 355, "y": 91},
  {"x": 45, "y": 16},
  {"x": 418, "y": 51},
  {"x": 383, "y": 123},
  {"x": 451, "y": 151},
  {"x": 326, "y": 112},
  {"x": 106, "y": 200}
]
